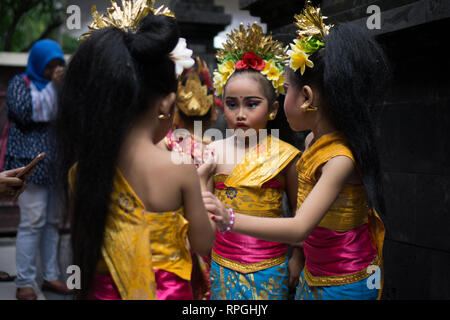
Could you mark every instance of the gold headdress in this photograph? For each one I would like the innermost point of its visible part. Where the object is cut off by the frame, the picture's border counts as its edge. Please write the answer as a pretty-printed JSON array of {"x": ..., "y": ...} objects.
[
  {"x": 312, "y": 32},
  {"x": 193, "y": 98},
  {"x": 248, "y": 48},
  {"x": 127, "y": 19}
]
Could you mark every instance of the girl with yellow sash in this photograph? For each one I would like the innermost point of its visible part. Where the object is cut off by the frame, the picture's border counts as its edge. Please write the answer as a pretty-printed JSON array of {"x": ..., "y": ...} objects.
[
  {"x": 195, "y": 103},
  {"x": 130, "y": 217},
  {"x": 253, "y": 170},
  {"x": 338, "y": 173}
]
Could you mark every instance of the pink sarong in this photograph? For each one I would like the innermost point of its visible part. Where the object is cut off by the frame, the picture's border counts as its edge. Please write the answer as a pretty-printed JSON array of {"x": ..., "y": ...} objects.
[{"x": 169, "y": 286}]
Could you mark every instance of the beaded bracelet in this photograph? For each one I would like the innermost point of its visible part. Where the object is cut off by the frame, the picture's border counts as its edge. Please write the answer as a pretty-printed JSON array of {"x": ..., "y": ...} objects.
[{"x": 230, "y": 225}]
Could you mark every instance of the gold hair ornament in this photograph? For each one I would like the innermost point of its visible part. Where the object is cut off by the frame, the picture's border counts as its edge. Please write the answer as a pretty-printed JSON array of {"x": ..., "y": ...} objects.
[
  {"x": 311, "y": 34},
  {"x": 249, "y": 48},
  {"x": 193, "y": 98},
  {"x": 127, "y": 19}
]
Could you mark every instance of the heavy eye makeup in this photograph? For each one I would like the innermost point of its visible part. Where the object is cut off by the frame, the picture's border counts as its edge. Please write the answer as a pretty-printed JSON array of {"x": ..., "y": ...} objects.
[
  {"x": 253, "y": 102},
  {"x": 231, "y": 103},
  {"x": 249, "y": 102}
]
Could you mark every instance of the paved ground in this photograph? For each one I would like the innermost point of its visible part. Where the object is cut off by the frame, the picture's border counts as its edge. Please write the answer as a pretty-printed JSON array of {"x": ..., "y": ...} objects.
[{"x": 8, "y": 264}]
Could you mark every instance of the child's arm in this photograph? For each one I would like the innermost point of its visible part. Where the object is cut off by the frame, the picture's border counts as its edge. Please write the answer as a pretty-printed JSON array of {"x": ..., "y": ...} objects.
[
  {"x": 201, "y": 233},
  {"x": 335, "y": 173}
]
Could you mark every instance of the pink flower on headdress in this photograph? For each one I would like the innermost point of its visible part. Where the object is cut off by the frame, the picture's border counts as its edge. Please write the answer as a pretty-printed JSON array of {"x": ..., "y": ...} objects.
[{"x": 250, "y": 60}]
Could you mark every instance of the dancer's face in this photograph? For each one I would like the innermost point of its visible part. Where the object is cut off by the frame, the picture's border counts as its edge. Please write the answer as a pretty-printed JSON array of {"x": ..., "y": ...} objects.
[
  {"x": 245, "y": 104},
  {"x": 298, "y": 118}
]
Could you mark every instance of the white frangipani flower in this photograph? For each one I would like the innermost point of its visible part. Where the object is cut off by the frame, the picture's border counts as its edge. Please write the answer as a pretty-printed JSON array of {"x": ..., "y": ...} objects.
[{"x": 182, "y": 57}]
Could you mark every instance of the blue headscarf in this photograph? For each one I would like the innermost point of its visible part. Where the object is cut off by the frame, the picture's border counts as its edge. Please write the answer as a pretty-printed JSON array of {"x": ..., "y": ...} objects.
[{"x": 41, "y": 53}]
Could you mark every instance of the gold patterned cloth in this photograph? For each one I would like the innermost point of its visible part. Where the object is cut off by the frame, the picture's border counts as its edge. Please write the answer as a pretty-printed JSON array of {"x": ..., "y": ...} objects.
[
  {"x": 349, "y": 239},
  {"x": 254, "y": 187},
  {"x": 136, "y": 241},
  {"x": 266, "y": 284}
]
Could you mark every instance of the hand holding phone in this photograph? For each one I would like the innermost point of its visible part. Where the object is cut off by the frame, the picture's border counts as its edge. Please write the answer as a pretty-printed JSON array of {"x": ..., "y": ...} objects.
[{"x": 26, "y": 172}]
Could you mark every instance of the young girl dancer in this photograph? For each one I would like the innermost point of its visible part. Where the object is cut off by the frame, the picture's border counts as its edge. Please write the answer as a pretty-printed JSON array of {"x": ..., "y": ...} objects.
[
  {"x": 339, "y": 173},
  {"x": 254, "y": 170},
  {"x": 195, "y": 104},
  {"x": 130, "y": 216}
]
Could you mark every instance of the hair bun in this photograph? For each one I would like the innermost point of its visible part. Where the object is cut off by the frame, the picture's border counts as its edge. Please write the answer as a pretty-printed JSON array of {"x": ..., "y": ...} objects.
[{"x": 156, "y": 37}]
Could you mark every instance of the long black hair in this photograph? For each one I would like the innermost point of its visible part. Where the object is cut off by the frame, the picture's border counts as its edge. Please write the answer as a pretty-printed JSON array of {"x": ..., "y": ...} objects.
[
  {"x": 351, "y": 73},
  {"x": 112, "y": 79}
]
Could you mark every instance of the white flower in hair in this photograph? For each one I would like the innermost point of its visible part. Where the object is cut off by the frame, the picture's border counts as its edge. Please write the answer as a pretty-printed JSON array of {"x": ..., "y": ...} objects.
[{"x": 182, "y": 57}]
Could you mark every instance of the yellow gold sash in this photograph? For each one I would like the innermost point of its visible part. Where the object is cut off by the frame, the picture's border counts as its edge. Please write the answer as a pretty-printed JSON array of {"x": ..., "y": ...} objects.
[
  {"x": 262, "y": 163},
  {"x": 242, "y": 190},
  {"x": 126, "y": 247},
  {"x": 136, "y": 241}
]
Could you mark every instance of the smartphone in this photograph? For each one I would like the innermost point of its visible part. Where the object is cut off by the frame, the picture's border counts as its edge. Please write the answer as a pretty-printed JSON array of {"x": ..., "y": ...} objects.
[{"x": 30, "y": 166}]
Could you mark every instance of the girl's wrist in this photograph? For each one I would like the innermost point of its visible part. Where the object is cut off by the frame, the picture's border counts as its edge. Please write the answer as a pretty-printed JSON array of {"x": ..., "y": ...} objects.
[{"x": 231, "y": 223}]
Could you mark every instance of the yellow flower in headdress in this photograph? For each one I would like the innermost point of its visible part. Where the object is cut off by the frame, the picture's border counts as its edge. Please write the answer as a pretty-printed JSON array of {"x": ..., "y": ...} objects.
[
  {"x": 225, "y": 70},
  {"x": 299, "y": 58},
  {"x": 271, "y": 71},
  {"x": 279, "y": 84},
  {"x": 312, "y": 32},
  {"x": 218, "y": 82}
]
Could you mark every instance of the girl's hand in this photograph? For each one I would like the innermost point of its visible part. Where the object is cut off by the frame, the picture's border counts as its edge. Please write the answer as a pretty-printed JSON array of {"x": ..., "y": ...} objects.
[
  {"x": 219, "y": 214},
  {"x": 206, "y": 169},
  {"x": 295, "y": 267},
  {"x": 58, "y": 75},
  {"x": 10, "y": 186}
]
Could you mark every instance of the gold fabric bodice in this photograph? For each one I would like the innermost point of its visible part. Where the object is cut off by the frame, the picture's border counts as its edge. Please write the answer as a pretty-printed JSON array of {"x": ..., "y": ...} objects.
[
  {"x": 350, "y": 209},
  {"x": 253, "y": 201},
  {"x": 136, "y": 241},
  {"x": 244, "y": 191},
  {"x": 168, "y": 234},
  {"x": 261, "y": 164}
]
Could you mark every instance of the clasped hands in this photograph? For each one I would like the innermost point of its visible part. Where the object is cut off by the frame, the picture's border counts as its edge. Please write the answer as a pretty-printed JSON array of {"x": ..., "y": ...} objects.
[{"x": 218, "y": 212}]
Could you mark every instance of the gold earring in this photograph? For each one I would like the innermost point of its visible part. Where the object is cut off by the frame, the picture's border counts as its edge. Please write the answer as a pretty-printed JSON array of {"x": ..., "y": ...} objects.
[
  {"x": 163, "y": 116},
  {"x": 272, "y": 116},
  {"x": 308, "y": 108}
]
